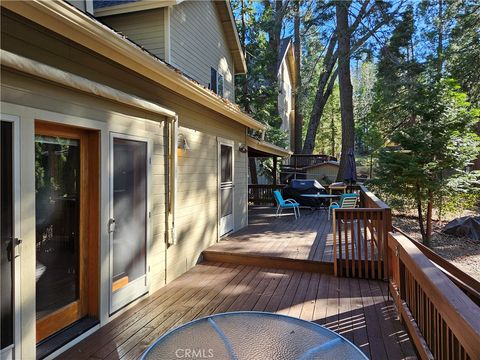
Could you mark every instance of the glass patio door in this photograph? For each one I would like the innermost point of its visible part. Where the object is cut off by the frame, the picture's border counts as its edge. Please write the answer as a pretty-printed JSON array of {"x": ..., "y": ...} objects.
[
  {"x": 128, "y": 224},
  {"x": 9, "y": 242},
  {"x": 226, "y": 190},
  {"x": 60, "y": 210}
]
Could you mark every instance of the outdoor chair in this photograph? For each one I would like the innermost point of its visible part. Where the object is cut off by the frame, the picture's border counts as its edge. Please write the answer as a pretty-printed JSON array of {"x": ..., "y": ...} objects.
[
  {"x": 347, "y": 201},
  {"x": 286, "y": 204}
]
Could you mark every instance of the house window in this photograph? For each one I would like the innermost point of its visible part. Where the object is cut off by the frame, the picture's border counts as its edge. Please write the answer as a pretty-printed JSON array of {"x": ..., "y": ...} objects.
[
  {"x": 220, "y": 85},
  {"x": 216, "y": 82}
]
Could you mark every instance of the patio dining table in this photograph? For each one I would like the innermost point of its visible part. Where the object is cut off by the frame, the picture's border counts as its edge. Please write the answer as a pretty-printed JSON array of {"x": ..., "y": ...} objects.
[
  {"x": 252, "y": 335},
  {"x": 321, "y": 197}
]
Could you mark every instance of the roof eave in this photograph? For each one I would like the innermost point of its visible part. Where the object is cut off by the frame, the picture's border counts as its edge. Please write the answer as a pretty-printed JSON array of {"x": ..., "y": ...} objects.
[
  {"x": 228, "y": 23},
  {"x": 266, "y": 147},
  {"x": 132, "y": 7},
  {"x": 75, "y": 25}
]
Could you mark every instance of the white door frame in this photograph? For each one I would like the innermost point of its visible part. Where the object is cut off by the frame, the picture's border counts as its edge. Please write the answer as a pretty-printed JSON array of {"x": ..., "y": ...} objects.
[
  {"x": 230, "y": 143},
  {"x": 139, "y": 286},
  {"x": 14, "y": 352}
]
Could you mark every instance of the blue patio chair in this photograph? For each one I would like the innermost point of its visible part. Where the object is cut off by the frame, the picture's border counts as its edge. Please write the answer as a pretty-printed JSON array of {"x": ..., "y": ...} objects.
[
  {"x": 286, "y": 204},
  {"x": 347, "y": 201}
]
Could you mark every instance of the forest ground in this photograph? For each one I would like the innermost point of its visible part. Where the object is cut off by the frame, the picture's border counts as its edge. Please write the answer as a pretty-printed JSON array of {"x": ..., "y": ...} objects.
[{"x": 460, "y": 251}]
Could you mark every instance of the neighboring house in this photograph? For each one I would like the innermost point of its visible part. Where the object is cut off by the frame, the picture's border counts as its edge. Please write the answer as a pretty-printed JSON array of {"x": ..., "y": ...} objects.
[
  {"x": 325, "y": 173},
  {"x": 117, "y": 169},
  {"x": 286, "y": 83},
  {"x": 286, "y": 100}
]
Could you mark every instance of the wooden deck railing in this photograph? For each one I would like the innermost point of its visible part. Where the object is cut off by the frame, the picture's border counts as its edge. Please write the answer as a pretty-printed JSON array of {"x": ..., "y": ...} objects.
[
  {"x": 359, "y": 242},
  {"x": 469, "y": 285},
  {"x": 360, "y": 237},
  {"x": 262, "y": 194},
  {"x": 443, "y": 322},
  {"x": 437, "y": 301}
]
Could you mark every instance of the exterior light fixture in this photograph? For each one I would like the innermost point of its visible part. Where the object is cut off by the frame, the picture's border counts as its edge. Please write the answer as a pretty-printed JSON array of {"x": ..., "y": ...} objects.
[
  {"x": 182, "y": 142},
  {"x": 243, "y": 148}
]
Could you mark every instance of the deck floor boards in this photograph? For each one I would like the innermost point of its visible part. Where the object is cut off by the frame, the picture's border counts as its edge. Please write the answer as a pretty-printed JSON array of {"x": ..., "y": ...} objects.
[
  {"x": 358, "y": 309},
  {"x": 307, "y": 238}
]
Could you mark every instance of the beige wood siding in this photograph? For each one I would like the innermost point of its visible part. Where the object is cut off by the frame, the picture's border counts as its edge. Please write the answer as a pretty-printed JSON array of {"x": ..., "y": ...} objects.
[
  {"x": 197, "y": 188},
  {"x": 146, "y": 28},
  {"x": 31, "y": 99},
  {"x": 198, "y": 43},
  {"x": 197, "y": 220},
  {"x": 285, "y": 100},
  {"x": 324, "y": 174}
]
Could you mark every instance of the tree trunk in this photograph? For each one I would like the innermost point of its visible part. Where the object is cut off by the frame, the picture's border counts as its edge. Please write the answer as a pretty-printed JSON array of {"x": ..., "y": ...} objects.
[
  {"x": 345, "y": 85},
  {"x": 274, "y": 35},
  {"x": 245, "y": 54},
  {"x": 298, "y": 121},
  {"x": 440, "y": 39},
  {"x": 332, "y": 124},
  {"x": 418, "y": 196},
  {"x": 428, "y": 232},
  {"x": 253, "y": 170},
  {"x": 319, "y": 105},
  {"x": 321, "y": 96},
  {"x": 330, "y": 59}
]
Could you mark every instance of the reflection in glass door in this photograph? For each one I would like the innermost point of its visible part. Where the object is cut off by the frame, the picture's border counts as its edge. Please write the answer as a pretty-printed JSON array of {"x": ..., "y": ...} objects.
[
  {"x": 226, "y": 188},
  {"x": 60, "y": 193},
  {"x": 128, "y": 223}
]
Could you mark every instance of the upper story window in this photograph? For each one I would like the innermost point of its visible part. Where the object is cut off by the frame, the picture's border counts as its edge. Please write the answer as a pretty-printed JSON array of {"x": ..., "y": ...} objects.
[{"x": 216, "y": 82}]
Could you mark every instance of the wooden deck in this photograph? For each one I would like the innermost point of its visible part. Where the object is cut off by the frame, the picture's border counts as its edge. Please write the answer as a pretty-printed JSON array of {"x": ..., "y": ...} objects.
[
  {"x": 302, "y": 244},
  {"x": 360, "y": 310}
]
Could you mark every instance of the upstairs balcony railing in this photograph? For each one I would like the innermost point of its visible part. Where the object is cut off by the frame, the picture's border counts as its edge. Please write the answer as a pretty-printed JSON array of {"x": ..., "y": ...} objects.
[{"x": 437, "y": 302}]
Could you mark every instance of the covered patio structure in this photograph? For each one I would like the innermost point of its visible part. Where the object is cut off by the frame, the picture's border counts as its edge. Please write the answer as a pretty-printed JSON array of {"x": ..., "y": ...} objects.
[{"x": 262, "y": 194}]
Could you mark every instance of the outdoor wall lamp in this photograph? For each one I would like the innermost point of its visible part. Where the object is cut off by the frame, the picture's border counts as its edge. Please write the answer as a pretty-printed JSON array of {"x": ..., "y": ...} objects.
[
  {"x": 182, "y": 142},
  {"x": 243, "y": 148}
]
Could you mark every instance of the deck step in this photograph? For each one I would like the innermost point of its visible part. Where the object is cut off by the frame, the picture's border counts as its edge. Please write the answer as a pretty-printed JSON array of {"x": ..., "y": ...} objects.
[{"x": 268, "y": 261}]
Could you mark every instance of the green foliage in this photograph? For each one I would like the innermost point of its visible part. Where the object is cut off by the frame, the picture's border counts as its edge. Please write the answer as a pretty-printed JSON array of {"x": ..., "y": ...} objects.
[
  {"x": 329, "y": 134},
  {"x": 455, "y": 204},
  {"x": 257, "y": 91},
  {"x": 463, "y": 52},
  {"x": 435, "y": 149}
]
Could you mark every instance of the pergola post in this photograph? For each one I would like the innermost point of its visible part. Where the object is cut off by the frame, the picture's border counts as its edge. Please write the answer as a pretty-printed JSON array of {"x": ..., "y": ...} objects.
[{"x": 275, "y": 170}]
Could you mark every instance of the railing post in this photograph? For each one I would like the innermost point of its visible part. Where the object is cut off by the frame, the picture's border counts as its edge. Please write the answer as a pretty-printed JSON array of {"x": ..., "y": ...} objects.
[
  {"x": 335, "y": 265},
  {"x": 387, "y": 221}
]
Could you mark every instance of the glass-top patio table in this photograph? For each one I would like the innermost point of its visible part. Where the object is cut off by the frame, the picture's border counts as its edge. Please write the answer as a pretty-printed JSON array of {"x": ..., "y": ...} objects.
[
  {"x": 321, "y": 197},
  {"x": 252, "y": 335}
]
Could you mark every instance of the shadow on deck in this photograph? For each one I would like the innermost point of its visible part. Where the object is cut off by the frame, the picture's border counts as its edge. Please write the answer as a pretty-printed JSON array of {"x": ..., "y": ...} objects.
[
  {"x": 304, "y": 244},
  {"x": 255, "y": 273},
  {"x": 360, "y": 310}
]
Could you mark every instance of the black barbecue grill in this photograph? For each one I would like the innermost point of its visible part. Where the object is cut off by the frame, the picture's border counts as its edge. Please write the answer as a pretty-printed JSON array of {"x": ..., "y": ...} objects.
[{"x": 296, "y": 188}]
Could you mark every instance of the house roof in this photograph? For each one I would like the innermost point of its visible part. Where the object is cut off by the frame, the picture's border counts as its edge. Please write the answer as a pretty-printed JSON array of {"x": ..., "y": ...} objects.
[
  {"x": 71, "y": 23},
  {"x": 98, "y": 4},
  {"x": 263, "y": 148},
  {"x": 233, "y": 40},
  {"x": 332, "y": 163},
  {"x": 224, "y": 10}
]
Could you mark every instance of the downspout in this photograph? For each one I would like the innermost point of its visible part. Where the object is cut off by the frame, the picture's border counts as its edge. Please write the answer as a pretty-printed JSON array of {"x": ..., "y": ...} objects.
[{"x": 171, "y": 236}]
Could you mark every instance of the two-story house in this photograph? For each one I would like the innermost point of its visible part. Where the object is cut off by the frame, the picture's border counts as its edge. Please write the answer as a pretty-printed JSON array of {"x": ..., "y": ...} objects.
[
  {"x": 123, "y": 156},
  {"x": 286, "y": 83}
]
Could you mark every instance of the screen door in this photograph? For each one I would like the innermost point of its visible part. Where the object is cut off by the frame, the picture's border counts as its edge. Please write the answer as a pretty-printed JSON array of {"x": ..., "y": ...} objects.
[
  {"x": 128, "y": 225},
  {"x": 226, "y": 189}
]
